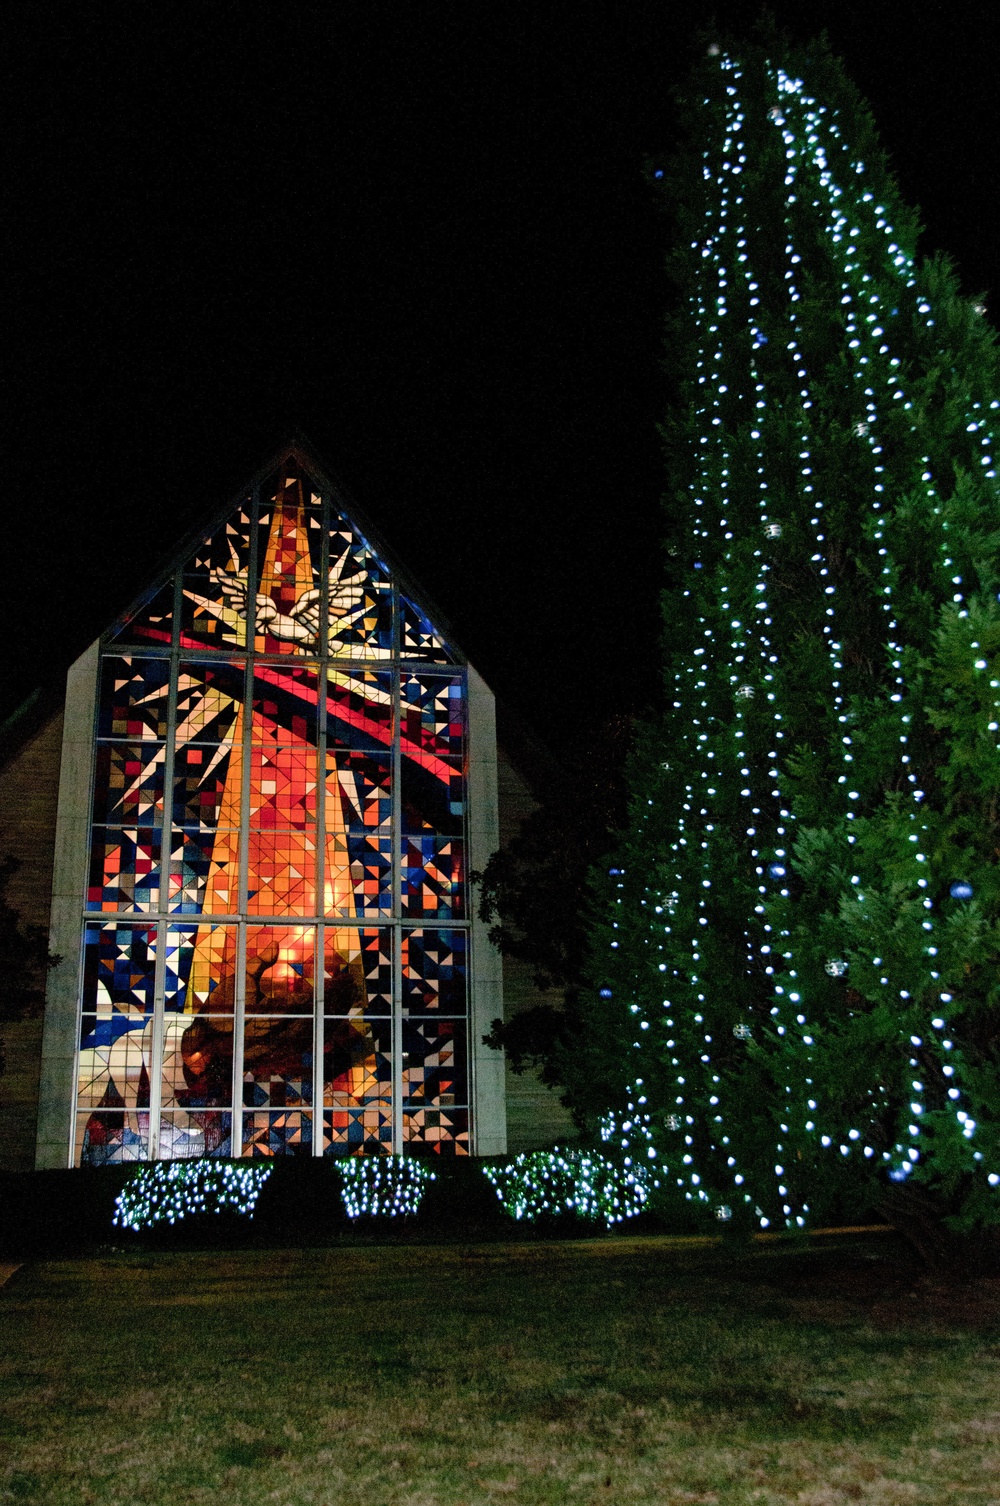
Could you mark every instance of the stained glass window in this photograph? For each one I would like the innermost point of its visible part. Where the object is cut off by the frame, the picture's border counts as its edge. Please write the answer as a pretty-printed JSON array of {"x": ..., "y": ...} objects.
[{"x": 275, "y": 928}]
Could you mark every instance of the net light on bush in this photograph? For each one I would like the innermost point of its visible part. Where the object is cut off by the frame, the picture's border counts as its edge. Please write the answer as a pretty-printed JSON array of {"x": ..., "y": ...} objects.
[
  {"x": 383, "y": 1186},
  {"x": 168, "y": 1192},
  {"x": 546, "y": 1183}
]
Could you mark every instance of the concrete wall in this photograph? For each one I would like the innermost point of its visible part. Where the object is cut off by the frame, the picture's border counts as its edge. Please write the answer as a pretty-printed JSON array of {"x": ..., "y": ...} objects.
[
  {"x": 487, "y": 967},
  {"x": 69, "y": 875}
]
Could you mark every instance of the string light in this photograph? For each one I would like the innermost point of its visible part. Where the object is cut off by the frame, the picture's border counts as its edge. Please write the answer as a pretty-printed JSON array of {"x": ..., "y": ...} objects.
[
  {"x": 167, "y": 1192},
  {"x": 736, "y": 642},
  {"x": 383, "y": 1186},
  {"x": 540, "y": 1184}
]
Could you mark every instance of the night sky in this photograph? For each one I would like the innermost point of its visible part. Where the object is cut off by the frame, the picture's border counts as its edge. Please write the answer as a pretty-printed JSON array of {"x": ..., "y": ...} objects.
[{"x": 421, "y": 235}]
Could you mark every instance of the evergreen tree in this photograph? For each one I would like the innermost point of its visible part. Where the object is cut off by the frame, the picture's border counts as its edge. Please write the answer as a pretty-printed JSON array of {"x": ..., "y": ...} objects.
[
  {"x": 534, "y": 894},
  {"x": 802, "y": 950}
]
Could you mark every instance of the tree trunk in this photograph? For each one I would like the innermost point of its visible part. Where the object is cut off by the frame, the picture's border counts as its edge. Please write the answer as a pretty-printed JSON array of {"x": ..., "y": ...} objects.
[{"x": 919, "y": 1217}]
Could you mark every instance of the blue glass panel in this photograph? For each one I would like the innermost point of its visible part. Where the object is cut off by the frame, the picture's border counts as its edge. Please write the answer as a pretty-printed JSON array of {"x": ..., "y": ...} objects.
[
  {"x": 434, "y": 971},
  {"x": 434, "y": 1063},
  {"x": 132, "y": 702}
]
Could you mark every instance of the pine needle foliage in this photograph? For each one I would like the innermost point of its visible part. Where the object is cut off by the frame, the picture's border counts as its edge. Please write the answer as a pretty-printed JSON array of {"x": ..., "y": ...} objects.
[{"x": 801, "y": 954}]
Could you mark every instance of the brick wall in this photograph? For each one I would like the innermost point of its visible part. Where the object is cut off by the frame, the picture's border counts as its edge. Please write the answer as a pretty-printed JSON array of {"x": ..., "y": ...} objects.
[{"x": 29, "y": 792}]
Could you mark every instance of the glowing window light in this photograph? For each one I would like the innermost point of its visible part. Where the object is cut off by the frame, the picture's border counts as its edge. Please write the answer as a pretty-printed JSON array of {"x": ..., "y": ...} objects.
[{"x": 274, "y": 868}]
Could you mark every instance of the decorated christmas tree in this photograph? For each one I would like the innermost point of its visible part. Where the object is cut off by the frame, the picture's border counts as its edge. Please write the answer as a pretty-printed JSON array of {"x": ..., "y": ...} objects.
[{"x": 802, "y": 950}]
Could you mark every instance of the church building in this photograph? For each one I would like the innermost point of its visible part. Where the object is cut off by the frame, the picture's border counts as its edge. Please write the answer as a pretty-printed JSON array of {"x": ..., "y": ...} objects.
[{"x": 250, "y": 824}]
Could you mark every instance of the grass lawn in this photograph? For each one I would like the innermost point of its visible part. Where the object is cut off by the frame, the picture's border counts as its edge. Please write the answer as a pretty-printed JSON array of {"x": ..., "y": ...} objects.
[{"x": 622, "y": 1370}]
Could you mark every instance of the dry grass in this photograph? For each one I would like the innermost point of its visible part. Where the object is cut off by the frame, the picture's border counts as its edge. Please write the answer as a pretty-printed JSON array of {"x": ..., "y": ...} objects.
[{"x": 623, "y": 1371}]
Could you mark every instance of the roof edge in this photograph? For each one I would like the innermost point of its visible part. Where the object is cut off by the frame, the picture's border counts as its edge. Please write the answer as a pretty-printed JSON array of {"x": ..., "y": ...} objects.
[
  {"x": 25, "y": 721},
  {"x": 306, "y": 454}
]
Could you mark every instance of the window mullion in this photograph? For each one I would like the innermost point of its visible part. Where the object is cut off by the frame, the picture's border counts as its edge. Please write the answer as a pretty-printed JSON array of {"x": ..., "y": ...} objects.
[
  {"x": 239, "y": 999},
  {"x": 397, "y": 891},
  {"x": 166, "y": 845},
  {"x": 319, "y": 968}
]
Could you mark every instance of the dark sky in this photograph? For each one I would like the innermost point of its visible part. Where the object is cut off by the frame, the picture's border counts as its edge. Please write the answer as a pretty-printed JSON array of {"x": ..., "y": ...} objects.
[{"x": 421, "y": 234}]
